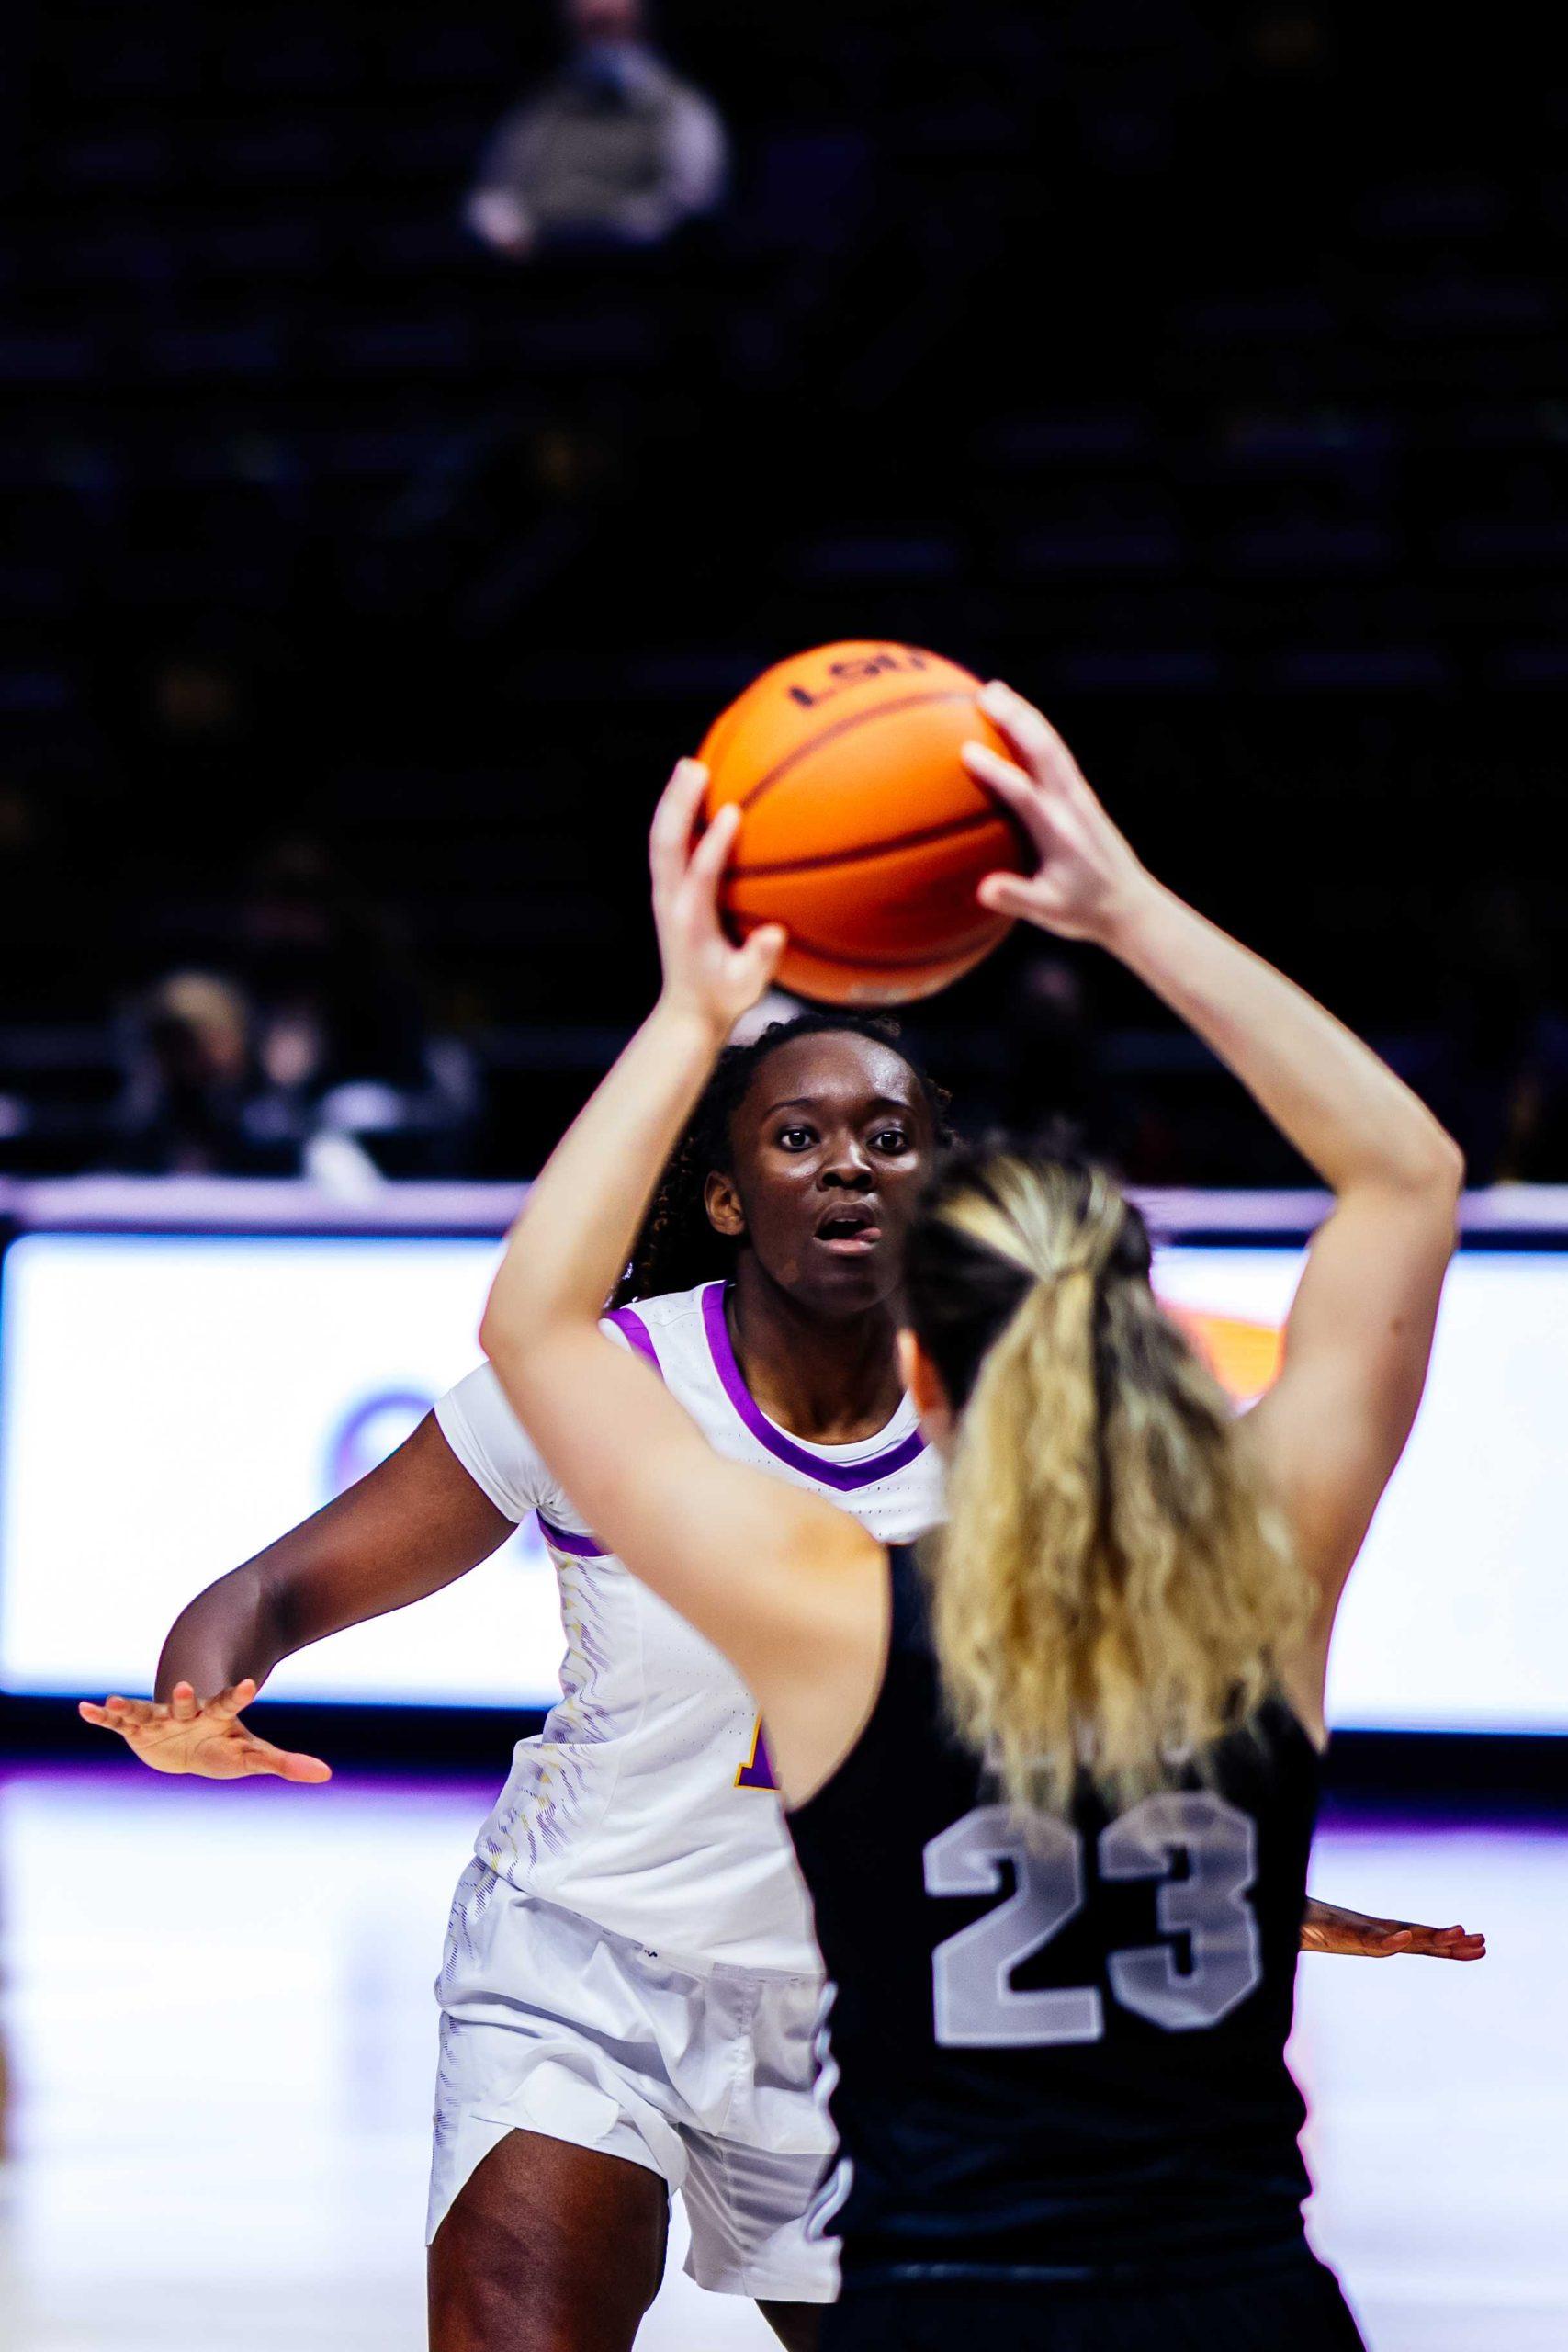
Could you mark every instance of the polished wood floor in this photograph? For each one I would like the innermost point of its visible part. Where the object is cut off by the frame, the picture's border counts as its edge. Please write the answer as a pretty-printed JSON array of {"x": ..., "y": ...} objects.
[{"x": 219, "y": 2037}]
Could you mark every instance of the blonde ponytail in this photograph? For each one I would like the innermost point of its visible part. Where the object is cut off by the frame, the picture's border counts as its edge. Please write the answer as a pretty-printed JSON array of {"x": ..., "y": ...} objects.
[{"x": 1112, "y": 1588}]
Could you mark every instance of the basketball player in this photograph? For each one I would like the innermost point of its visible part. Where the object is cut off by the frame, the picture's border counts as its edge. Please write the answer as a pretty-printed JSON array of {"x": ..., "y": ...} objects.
[
  {"x": 635, "y": 1864},
  {"x": 1056, "y": 1815}
]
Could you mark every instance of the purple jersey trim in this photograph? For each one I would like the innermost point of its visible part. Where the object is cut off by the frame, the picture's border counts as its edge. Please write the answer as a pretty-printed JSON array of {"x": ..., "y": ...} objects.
[
  {"x": 627, "y": 1321},
  {"x": 561, "y": 1538},
  {"x": 843, "y": 1475}
]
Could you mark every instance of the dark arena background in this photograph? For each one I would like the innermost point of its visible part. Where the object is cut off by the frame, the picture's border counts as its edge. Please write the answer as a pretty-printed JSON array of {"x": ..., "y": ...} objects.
[{"x": 1203, "y": 372}]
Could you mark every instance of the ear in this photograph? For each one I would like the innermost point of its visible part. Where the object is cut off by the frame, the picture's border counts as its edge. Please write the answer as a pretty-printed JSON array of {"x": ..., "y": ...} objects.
[
  {"x": 722, "y": 1203},
  {"x": 923, "y": 1380}
]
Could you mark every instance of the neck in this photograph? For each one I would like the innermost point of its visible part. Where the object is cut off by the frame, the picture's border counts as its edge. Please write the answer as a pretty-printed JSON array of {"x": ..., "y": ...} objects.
[{"x": 831, "y": 1383}]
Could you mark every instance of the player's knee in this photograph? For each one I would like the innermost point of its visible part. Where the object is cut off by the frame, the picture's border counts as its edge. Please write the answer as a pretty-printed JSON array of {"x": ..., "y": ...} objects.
[{"x": 798, "y": 2326}]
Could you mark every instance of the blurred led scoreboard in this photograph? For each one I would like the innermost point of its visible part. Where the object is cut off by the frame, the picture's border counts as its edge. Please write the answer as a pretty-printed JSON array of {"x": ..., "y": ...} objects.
[{"x": 187, "y": 1370}]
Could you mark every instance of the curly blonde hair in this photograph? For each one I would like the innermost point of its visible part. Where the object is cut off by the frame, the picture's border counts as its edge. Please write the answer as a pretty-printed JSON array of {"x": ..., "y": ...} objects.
[{"x": 1113, "y": 1588}]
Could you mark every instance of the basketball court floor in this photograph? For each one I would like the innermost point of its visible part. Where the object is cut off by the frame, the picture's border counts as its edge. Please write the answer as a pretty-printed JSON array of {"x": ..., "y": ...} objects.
[{"x": 219, "y": 2042}]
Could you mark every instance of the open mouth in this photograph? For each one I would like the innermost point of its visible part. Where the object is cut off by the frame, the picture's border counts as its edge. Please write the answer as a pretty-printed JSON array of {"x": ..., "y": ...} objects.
[{"x": 849, "y": 1231}]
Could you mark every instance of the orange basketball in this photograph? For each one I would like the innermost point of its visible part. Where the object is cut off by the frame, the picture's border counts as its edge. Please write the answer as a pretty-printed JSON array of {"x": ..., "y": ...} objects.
[{"x": 862, "y": 830}]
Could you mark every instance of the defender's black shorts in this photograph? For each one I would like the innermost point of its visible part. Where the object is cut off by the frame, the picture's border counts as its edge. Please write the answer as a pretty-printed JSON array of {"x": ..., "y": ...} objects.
[{"x": 1294, "y": 2305}]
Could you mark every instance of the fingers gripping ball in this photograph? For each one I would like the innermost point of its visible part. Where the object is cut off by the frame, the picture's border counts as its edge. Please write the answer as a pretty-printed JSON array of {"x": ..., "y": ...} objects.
[{"x": 860, "y": 830}]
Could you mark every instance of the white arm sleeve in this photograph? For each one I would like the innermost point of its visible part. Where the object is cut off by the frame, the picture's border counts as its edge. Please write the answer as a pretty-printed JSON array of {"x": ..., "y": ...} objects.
[
  {"x": 478, "y": 1424},
  {"x": 492, "y": 1445}
]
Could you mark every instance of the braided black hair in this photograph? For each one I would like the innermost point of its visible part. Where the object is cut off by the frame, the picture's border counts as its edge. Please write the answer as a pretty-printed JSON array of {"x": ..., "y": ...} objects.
[{"x": 677, "y": 1248}]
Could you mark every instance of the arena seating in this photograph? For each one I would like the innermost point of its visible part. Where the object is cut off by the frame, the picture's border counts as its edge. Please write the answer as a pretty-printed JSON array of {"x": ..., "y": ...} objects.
[{"x": 459, "y": 556}]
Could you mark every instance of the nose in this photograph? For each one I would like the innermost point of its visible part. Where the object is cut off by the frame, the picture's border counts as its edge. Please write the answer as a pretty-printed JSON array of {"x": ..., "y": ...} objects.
[{"x": 848, "y": 1167}]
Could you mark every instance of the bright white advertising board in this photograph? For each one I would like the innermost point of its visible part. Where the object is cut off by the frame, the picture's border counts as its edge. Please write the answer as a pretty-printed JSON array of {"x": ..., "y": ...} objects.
[{"x": 169, "y": 1404}]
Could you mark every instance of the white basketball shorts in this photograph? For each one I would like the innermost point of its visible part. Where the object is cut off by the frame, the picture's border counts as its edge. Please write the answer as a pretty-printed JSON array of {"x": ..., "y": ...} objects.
[{"x": 551, "y": 2024}]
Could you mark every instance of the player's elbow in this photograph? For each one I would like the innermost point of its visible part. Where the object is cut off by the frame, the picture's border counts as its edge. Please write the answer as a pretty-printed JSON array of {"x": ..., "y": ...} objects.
[
  {"x": 1429, "y": 1169},
  {"x": 1452, "y": 1168},
  {"x": 1441, "y": 1170},
  {"x": 497, "y": 1334},
  {"x": 1432, "y": 1192},
  {"x": 515, "y": 1332}
]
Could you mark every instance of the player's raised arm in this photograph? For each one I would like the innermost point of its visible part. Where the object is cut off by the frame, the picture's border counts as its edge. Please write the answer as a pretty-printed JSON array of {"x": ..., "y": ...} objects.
[
  {"x": 1360, "y": 1333},
  {"x": 763, "y": 1568},
  {"x": 415, "y": 1523}
]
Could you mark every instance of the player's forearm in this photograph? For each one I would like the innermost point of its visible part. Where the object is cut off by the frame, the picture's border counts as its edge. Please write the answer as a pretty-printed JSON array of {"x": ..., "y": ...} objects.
[
  {"x": 1331, "y": 1097},
  {"x": 226, "y": 1632},
  {"x": 568, "y": 1248},
  {"x": 413, "y": 1524}
]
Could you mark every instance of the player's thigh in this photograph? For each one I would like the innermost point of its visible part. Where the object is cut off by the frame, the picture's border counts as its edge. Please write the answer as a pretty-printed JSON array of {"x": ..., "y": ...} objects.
[
  {"x": 548, "y": 2247},
  {"x": 798, "y": 2326}
]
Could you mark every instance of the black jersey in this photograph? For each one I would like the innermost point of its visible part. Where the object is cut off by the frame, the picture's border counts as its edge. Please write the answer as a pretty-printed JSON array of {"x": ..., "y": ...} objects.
[{"x": 1063, "y": 2051}]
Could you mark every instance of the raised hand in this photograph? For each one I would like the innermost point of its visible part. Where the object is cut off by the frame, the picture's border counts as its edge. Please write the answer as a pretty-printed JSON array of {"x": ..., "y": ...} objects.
[
  {"x": 704, "y": 971},
  {"x": 211, "y": 1740},
  {"x": 1328, "y": 1928},
  {"x": 1088, "y": 873}
]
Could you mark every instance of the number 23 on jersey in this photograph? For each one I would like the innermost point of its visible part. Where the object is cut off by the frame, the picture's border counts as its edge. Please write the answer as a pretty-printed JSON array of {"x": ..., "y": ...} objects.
[{"x": 974, "y": 2001}]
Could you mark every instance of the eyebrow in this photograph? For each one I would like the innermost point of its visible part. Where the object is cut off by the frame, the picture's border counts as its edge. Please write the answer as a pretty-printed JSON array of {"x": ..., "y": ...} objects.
[{"x": 814, "y": 1102}]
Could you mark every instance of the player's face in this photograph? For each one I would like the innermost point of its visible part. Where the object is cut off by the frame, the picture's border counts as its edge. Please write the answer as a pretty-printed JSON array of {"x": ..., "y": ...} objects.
[{"x": 831, "y": 1143}]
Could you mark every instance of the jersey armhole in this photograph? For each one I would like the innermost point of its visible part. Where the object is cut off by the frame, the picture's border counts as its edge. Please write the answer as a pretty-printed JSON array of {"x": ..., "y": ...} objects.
[
  {"x": 634, "y": 1330},
  {"x": 858, "y": 1737}
]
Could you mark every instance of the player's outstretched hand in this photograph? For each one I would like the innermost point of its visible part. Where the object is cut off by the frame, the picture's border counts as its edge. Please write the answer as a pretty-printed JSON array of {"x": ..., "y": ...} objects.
[
  {"x": 1328, "y": 1928},
  {"x": 705, "y": 972},
  {"x": 1087, "y": 872},
  {"x": 212, "y": 1741}
]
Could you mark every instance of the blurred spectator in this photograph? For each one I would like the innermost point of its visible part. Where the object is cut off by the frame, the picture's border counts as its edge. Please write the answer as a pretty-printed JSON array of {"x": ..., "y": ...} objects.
[
  {"x": 195, "y": 698},
  {"x": 1499, "y": 1078},
  {"x": 1536, "y": 1149},
  {"x": 317, "y": 1063},
  {"x": 339, "y": 1029},
  {"x": 335, "y": 999},
  {"x": 614, "y": 151},
  {"x": 195, "y": 1101},
  {"x": 1051, "y": 1099},
  {"x": 1287, "y": 40}
]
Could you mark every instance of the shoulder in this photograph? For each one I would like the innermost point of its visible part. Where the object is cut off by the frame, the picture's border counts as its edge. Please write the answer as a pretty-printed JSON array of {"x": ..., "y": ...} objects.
[
  {"x": 664, "y": 86},
  {"x": 689, "y": 99},
  {"x": 668, "y": 1308},
  {"x": 537, "y": 106},
  {"x": 476, "y": 1420},
  {"x": 672, "y": 1329}
]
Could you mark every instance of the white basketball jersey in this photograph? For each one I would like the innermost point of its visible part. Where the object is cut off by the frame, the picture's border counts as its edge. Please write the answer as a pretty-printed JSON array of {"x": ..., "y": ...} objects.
[{"x": 647, "y": 1802}]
